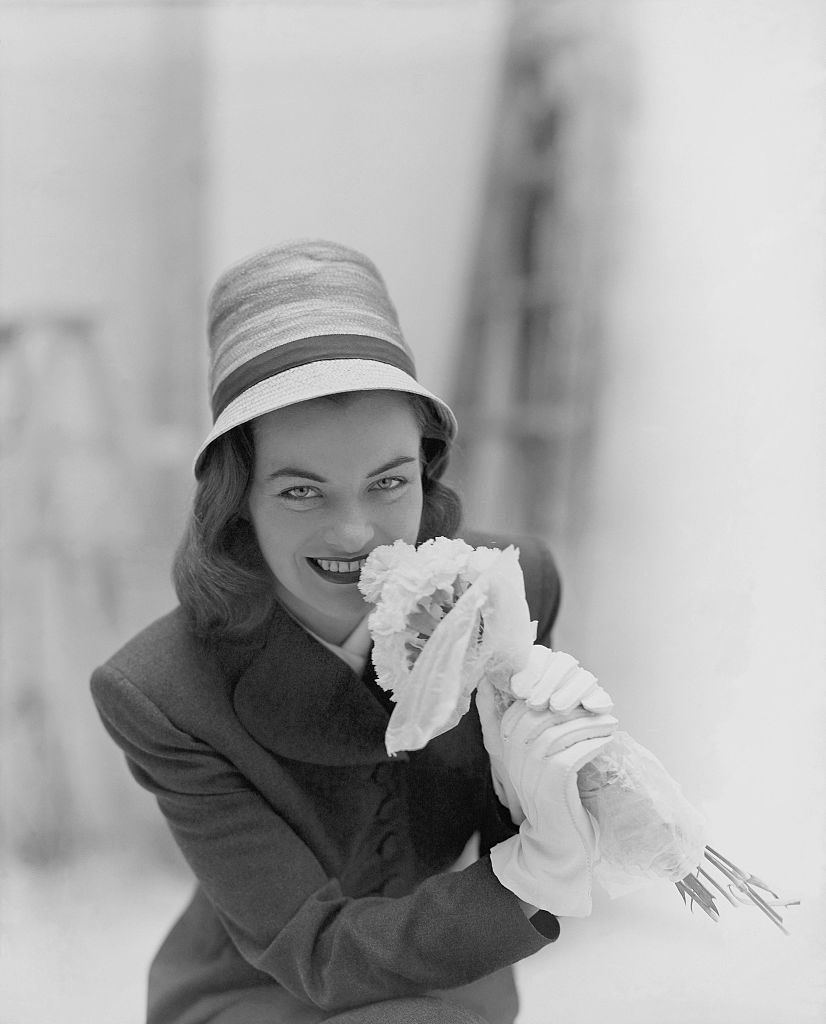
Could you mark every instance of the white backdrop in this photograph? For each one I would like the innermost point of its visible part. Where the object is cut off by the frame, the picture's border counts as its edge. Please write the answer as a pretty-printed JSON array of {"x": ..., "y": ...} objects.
[
  {"x": 697, "y": 594},
  {"x": 365, "y": 123}
]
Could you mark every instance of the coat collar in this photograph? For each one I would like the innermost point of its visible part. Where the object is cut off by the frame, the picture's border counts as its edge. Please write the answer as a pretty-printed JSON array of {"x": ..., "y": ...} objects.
[{"x": 300, "y": 701}]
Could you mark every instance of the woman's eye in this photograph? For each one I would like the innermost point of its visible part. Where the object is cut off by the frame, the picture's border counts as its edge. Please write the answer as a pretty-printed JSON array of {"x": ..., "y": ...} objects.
[
  {"x": 299, "y": 493},
  {"x": 389, "y": 483}
]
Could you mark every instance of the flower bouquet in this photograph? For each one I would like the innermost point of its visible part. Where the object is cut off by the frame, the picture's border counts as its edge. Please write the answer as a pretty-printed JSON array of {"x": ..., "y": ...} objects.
[{"x": 448, "y": 615}]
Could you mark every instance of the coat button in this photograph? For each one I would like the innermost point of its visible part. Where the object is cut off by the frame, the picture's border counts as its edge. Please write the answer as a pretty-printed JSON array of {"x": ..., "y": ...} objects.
[
  {"x": 381, "y": 774},
  {"x": 386, "y": 809},
  {"x": 392, "y": 886},
  {"x": 389, "y": 847}
]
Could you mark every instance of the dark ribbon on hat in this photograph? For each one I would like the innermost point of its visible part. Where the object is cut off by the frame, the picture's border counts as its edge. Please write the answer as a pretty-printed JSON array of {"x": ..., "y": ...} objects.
[{"x": 300, "y": 353}]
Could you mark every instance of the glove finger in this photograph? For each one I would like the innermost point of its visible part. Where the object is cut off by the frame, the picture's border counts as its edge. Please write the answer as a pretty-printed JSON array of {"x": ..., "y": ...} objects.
[
  {"x": 572, "y": 690},
  {"x": 518, "y": 747},
  {"x": 512, "y": 719},
  {"x": 544, "y": 688},
  {"x": 540, "y": 660},
  {"x": 535, "y": 766},
  {"x": 555, "y": 669},
  {"x": 597, "y": 700},
  {"x": 521, "y": 724},
  {"x": 522, "y": 682},
  {"x": 575, "y": 756},
  {"x": 579, "y": 730}
]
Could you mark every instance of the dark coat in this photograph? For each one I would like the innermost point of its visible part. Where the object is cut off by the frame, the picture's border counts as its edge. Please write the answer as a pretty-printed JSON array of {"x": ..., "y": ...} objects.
[{"x": 322, "y": 864}]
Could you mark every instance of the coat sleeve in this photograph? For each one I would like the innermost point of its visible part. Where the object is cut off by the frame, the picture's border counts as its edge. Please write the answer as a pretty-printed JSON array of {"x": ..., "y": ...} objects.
[{"x": 285, "y": 916}]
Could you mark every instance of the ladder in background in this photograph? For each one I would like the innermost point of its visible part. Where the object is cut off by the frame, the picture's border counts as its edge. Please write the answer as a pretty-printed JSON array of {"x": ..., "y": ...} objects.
[{"x": 526, "y": 383}]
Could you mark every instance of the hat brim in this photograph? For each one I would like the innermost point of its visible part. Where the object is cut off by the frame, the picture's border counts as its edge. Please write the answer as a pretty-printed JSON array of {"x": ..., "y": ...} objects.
[{"x": 315, "y": 380}]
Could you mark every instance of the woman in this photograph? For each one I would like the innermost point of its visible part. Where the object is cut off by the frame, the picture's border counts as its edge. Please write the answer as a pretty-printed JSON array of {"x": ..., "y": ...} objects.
[{"x": 325, "y": 890}]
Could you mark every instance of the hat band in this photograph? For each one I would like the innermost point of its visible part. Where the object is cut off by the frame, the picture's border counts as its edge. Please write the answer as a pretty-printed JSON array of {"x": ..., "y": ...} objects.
[{"x": 300, "y": 353}]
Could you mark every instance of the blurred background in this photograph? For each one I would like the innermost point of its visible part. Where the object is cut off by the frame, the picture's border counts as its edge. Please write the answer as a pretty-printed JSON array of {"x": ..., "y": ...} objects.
[{"x": 602, "y": 222}]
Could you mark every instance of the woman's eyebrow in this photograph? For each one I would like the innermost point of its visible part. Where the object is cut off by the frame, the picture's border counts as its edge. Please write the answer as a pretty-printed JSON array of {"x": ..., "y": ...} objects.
[
  {"x": 294, "y": 471},
  {"x": 402, "y": 460},
  {"x": 305, "y": 474}
]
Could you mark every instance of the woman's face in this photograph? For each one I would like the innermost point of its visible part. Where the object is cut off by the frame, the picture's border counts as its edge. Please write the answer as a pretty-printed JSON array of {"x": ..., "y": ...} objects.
[{"x": 331, "y": 482}]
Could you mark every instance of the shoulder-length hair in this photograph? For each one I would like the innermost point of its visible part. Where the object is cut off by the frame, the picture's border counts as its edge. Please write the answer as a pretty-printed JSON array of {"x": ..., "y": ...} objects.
[{"x": 220, "y": 576}]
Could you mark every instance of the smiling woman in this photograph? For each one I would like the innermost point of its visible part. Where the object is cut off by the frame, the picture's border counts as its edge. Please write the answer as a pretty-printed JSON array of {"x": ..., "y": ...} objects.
[
  {"x": 327, "y": 888},
  {"x": 220, "y": 574}
]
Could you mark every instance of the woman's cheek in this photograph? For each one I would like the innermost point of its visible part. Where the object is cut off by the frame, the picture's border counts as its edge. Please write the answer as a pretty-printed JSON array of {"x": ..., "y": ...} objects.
[{"x": 408, "y": 516}]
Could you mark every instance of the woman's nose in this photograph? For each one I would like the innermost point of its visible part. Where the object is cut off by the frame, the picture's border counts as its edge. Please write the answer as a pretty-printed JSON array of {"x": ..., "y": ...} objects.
[{"x": 350, "y": 533}]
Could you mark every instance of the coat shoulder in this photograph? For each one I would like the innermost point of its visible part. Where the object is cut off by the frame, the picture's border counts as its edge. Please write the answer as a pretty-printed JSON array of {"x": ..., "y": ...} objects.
[
  {"x": 166, "y": 662},
  {"x": 160, "y": 648}
]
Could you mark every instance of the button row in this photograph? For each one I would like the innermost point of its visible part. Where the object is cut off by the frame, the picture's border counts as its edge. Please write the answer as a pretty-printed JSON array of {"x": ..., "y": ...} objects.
[
  {"x": 389, "y": 847},
  {"x": 386, "y": 810},
  {"x": 382, "y": 774}
]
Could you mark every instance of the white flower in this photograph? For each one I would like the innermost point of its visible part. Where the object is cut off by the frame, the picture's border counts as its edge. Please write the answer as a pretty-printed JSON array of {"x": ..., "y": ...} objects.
[
  {"x": 414, "y": 590},
  {"x": 411, "y": 588},
  {"x": 403, "y": 581}
]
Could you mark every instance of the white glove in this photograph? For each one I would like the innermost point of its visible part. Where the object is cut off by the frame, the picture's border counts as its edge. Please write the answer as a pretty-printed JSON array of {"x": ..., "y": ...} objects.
[
  {"x": 549, "y": 863},
  {"x": 555, "y": 680},
  {"x": 552, "y": 680},
  {"x": 490, "y": 705}
]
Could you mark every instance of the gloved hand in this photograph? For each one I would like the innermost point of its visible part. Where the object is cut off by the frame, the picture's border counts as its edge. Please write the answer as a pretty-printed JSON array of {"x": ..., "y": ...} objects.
[
  {"x": 555, "y": 680},
  {"x": 552, "y": 680},
  {"x": 491, "y": 708},
  {"x": 549, "y": 862}
]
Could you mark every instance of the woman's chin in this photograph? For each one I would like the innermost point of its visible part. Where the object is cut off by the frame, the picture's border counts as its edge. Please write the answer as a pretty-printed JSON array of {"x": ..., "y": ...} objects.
[{"x": 326, "y": 608}]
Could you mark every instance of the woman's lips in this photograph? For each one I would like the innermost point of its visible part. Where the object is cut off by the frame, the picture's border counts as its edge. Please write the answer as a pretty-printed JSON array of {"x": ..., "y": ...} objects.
[{"x": 336, "y": 570}]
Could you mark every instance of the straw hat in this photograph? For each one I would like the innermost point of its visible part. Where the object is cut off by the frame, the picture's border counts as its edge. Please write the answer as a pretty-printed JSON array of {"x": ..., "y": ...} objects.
[{"x": 298, "y": 321}]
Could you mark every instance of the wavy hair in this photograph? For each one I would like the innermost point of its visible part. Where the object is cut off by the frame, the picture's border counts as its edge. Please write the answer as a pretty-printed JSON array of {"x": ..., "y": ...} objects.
[{"x": 222, "y": 581}]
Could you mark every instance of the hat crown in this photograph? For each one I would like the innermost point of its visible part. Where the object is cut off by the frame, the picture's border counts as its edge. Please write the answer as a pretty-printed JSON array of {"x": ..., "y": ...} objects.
[
  {"x": 299, "y": 290},
  {"x": 299, "y": 321}
]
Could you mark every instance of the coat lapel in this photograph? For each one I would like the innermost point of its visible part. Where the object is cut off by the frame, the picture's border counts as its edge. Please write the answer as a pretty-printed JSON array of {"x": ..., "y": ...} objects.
[{"x": 298, "y": 700}]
